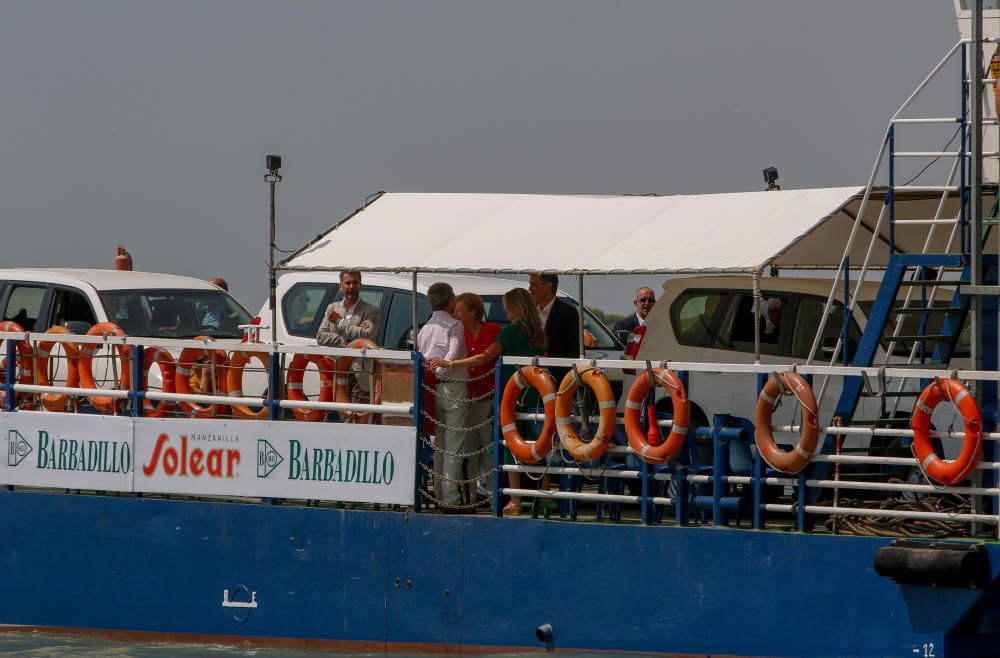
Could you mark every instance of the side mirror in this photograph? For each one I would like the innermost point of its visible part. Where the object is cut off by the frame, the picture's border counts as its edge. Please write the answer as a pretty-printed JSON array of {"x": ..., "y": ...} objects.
[
  {"x": 622, "y": 335},
  {"x": 78, "y": 327}
]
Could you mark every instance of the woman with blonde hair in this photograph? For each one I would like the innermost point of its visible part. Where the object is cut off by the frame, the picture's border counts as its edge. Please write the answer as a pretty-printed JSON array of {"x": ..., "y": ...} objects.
[{"x": 524, "y": 336}]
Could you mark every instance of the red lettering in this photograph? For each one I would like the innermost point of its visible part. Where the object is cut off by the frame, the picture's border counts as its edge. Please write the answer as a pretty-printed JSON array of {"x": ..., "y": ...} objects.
[
  {"x": 148, "y": 469},
  {"x": 169, "y": 461},
  {"x": 233, "y": 458},
  {"x": 215, "y": 463},
  {"x": 196, "y": 457},
  {"x": 197, "y": 461}
]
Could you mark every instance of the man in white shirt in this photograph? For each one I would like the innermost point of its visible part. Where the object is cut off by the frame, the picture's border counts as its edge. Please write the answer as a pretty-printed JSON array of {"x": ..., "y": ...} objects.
[{"x": 443, "y": 338}]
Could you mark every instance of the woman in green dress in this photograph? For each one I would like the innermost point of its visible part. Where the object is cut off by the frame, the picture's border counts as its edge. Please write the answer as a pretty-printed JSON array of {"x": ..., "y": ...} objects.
[{"x": 524, "y": 336}]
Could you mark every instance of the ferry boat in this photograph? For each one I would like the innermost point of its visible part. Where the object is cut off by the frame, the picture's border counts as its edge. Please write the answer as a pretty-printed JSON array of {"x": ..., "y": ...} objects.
[{"x": 869, "y": 528}]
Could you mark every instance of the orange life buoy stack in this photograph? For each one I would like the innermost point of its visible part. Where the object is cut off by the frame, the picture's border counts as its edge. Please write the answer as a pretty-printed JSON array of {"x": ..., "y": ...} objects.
[
  {"x": 794, "y": 460},
  {"x": 637, "y": 438},
  {"x": 293, "y": 384},
  {"x": 234, "y": 382},
  {"x": 168, "y": 368},
  {"x": 185, "y": 368},
  {"x": 56, "y": 402},
  {"x": 541, "y": 381},
  {"x": 946, "y": 471},
  {"x": 25, "y": 359},
  {"x": 594, "y": 379},
  {"x": 342, "y": 394},
  {"x": 85, "y": 365}
]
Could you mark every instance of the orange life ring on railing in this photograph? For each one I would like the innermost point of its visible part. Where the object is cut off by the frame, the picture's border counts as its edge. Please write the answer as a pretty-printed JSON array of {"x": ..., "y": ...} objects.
[
  {"x": 85, "y": 366},
  {"x": 786, "y": 461},
  {"x": 168, "y": 372},
  {"x": 185, "y": 368},
  {"x": 593, "y": 378},
  {"x": 946, "y": 471},
  {"x": 637, "y": 437},
  {"x": 25, "y": 367},
  {"x": 341, "y": 394},
  {"x": 234, "y": 383},
  {"x": 293, "y": 384},
  {"x": 542, "y": 382},
  {"x": 56, "y": 401}
]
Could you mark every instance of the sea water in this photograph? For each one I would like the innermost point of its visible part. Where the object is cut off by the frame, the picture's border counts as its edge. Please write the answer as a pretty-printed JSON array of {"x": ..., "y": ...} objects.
[{"x": 37, "y": 645}]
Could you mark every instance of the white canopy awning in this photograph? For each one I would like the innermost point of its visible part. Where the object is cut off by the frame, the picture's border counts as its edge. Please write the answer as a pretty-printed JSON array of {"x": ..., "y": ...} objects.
[{"x": 520, "y": 233}]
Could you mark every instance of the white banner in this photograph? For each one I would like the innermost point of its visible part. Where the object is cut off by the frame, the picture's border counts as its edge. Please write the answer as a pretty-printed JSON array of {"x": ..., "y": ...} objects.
[
  {"x": 69, "y": 451},
  {"x": 320, "y": 461}
]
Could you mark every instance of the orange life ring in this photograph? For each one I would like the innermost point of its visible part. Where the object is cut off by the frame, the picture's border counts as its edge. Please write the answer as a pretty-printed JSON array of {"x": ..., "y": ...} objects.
[
  {"x": 542, "y": 382},
  {"x": 234, "y": 383},
  {"x": 85, "y": 366},
  {"x": 341, "y": 394},
  {"x": 168, "y": 370},
  {"x": 786, "y": 461},
  {"x": 25, "y": 358},
  {"x": 56, "y": 401},
  {"x": 637, "y": 437},
  {"x": 946, "y": 471},
  {"x": 185, "y": 368},
  {"x": 293, "y": 384},
  {"x": 594, "y": 379}
]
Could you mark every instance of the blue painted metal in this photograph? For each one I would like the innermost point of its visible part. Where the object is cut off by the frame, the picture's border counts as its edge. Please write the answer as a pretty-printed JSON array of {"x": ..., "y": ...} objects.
[
  {"x": 137, "y": 390},
  {"x": 497, "y": 436},
  {"x": 418, "y": 423},
  {"x": 391, "y": 579},
  {"x": 10, "y": 404},
  {"x": 274, "y": 386}
]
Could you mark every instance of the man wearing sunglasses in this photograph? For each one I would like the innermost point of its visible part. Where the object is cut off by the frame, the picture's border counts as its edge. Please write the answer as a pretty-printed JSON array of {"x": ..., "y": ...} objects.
[{"x": 644, "y": 300}]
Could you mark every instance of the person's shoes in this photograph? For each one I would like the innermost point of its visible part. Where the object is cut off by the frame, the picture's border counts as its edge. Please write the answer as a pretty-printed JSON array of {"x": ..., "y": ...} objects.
[{"x": 512, "y": 510}]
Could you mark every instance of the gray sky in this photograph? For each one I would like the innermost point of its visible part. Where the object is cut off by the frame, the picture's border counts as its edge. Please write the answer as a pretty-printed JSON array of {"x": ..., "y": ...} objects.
[{"x": 147, "y": 123}]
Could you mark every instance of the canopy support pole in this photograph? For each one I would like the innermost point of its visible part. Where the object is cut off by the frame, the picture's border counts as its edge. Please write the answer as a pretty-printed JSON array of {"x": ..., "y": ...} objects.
[
  {"x": 413, "y": 309},
  {"x": 756, "y": 313},
  {"x": 579, "y": 296}
]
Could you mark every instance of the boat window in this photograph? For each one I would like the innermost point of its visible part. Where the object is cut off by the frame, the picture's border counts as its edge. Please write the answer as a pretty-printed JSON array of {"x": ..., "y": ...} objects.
[
  {"x": 699, "y": 318},
  {"x": 24, "y": 303},
  {"x": 399, "y": 320},
  {"x": 70, "y": 306},
  {"x": 303, "y": 308},
  {"x": 175, "y": 313}
]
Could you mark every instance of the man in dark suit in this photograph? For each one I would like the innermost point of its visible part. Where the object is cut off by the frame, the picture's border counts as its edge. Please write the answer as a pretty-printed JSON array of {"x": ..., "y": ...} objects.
[
  {"x": 561, "y": 321},
  {"x": 644, "y": 300}
]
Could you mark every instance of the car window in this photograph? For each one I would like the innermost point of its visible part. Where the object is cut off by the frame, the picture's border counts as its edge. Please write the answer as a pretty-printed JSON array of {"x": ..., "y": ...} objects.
[
  {"x": 699, "y": 317},
  {"x": 70, "y": 306},
  {"x": 774, "y": 334},
  {"x": 399, "y": 321},
  {"x": 810, "y": 312},
  {"x": 24, "y": 303},
  {"x": 603, "y": 338},
  {"x": 303, "y": 307}
]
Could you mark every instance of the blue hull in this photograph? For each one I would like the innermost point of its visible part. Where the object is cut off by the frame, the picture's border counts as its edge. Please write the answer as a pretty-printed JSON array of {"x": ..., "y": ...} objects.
[{"x": 394, "y": 581}]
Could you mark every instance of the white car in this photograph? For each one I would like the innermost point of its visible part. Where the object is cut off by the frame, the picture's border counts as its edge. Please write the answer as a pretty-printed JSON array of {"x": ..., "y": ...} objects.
[
  {"x": 711, "y": 319},
  {"x": 143, "y": 304},
  {"x": 310, "y": 293}
]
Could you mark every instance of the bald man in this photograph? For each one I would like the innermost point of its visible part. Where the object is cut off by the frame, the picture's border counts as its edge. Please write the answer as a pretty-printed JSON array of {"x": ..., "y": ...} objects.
[{"x": 645, "y": 298}]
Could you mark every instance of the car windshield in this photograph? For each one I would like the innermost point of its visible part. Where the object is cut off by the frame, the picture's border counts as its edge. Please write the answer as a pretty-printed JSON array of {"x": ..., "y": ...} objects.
[{"x": 175, "y": 313}]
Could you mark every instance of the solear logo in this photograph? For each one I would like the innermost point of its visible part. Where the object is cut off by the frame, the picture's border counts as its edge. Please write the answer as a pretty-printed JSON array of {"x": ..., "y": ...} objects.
[
  {"x": 17, "y": 448},
  {"x": 268, "y": 458}
]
